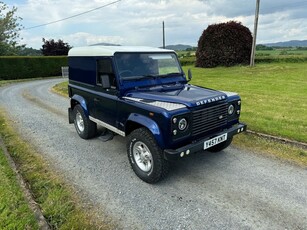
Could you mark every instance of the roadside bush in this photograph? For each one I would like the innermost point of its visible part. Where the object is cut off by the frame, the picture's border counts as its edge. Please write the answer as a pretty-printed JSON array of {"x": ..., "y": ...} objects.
[
  {"x": 224, "y": 44},
  {"x": 13, "y": 68}
]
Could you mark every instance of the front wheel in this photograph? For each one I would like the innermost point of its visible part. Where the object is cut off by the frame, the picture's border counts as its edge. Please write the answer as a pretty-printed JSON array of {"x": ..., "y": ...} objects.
[
  {"x": 221, "y": 146},
  {"x": 145, "y": 156},
  {"x": 84, "y": 126}
]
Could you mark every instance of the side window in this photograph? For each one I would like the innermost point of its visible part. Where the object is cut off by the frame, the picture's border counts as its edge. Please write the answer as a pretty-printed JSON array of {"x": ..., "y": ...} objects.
[{"x": 105, "y": 69}]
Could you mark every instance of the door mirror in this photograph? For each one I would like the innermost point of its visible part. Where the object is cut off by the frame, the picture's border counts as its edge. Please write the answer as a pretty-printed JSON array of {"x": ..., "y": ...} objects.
[{"x": 189, "y": 75}]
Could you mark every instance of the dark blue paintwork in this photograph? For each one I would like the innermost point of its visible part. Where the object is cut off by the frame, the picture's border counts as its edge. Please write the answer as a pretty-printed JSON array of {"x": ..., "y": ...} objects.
[{"x": 119, "y": 106}]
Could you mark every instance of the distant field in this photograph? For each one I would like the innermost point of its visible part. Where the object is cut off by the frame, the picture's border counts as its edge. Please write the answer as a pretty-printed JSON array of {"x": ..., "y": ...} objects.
[
  {"x": 281, "y": 52},
  {"x": 274, "y": 96},
  {"x": 262, "y": 56}
]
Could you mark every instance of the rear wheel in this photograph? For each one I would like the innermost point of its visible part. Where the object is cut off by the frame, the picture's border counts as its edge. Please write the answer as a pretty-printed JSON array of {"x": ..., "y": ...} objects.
[
  {"x": 146, "y": 157},
  {"x": 84, "y": 126},
  {"x": 221, "y": 146}
]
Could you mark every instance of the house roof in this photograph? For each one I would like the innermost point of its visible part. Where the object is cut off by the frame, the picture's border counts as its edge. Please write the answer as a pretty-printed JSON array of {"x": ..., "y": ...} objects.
[{"x": 111, "y": 50}]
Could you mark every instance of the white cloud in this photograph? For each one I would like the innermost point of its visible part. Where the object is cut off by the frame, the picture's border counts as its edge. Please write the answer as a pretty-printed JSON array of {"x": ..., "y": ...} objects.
[
  {"x": 139, "y": 22},
  {"x": 81, "y": 38}
]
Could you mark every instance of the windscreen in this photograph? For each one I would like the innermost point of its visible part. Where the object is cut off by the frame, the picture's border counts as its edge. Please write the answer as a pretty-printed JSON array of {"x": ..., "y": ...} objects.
[{"x": 143, "y": 65}]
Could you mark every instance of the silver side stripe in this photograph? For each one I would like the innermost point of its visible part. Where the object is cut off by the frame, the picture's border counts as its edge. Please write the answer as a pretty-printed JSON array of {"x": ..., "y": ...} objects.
[{"x": 110, "y": 127}]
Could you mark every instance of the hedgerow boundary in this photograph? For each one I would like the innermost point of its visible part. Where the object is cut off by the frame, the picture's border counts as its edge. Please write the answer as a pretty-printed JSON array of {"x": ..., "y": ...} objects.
[{"x": 15, "y": 67}]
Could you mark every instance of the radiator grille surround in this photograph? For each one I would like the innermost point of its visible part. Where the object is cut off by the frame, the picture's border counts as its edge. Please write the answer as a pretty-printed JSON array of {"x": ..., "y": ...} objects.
[{"x": 208, "y": 119}]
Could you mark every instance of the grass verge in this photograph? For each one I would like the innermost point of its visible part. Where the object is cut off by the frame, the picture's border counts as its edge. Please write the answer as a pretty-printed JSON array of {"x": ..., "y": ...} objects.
[
  {"x": 15, "y": 212},
  {"x": 274, "y": 96},
  {"x": 59, "y": 204},
  {"x": 61, "y": 89},
  {"x": 274, "y": 149},
  {"x": 248, "y": 141}
]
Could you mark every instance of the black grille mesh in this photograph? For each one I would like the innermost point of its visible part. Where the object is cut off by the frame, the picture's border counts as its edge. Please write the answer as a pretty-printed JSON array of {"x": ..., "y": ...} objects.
[{"x": 208, "y": 119}]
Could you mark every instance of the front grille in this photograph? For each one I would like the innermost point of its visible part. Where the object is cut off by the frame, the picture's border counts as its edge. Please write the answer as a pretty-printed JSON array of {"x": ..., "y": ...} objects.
[{"x": 208, "y": 119}]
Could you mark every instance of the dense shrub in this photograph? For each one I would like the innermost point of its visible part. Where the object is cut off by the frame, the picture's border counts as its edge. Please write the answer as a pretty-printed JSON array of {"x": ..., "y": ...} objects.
[
  {"x": 224, "y": 44},
  {"x": 30, "y": 67}
]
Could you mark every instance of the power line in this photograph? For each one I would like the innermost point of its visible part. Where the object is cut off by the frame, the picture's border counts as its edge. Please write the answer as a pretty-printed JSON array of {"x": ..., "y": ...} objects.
[{"x": 73, "y": 16}]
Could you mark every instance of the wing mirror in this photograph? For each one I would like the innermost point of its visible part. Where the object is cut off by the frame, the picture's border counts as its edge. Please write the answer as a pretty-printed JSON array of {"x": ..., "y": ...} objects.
[{"x": 189, "y": 75}]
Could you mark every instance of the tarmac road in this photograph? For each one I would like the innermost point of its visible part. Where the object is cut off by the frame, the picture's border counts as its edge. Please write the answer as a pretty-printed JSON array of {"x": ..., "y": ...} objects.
[{"x": 232, "y": 189}]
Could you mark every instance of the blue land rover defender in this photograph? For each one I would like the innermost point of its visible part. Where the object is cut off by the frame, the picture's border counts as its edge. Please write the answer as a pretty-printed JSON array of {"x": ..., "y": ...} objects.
[{"x": 142, "y": 93}]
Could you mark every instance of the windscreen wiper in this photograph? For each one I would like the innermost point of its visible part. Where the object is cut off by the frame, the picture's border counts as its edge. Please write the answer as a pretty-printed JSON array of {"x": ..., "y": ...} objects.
[
  {"x": 170, "y": 75},
  {"x": 139, "y": 77}
]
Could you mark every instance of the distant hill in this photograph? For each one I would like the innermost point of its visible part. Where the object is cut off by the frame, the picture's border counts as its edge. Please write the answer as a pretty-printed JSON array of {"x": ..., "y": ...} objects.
[
  {"x": 178, "y": 47},
  {"x": 104, "y": 44},
  {"x": 292, "y": 43}
]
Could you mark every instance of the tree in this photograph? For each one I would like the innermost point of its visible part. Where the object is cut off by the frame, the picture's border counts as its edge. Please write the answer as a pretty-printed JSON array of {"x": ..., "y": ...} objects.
[
  {"x": 224, "y": 44},
  {"x": 263, "y": 47},
  {"x": 9, "y": 30},
  {"x": 25, "y": 51},
  {"x": 52, "y": 48}
]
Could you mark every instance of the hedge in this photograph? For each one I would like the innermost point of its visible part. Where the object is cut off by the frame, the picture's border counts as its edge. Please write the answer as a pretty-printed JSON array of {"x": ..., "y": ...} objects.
[
  {"x": 12, "y": 68},
  {"x": 187, "y": 60}
]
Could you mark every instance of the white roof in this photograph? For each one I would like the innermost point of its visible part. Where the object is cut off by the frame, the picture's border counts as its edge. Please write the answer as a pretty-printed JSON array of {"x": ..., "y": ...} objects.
[{"x": 110, "y": 50}]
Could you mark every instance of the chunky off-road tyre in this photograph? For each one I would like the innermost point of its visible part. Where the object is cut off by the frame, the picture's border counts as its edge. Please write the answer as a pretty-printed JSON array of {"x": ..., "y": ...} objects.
[
  {"x": 84, "y": 126},
  {"x": 221, "y": 146},
  {"x": 146, "y": 157}
]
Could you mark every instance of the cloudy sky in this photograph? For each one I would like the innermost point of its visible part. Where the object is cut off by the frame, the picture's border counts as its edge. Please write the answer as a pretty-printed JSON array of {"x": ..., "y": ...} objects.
[{"x": 139, "y": 22}]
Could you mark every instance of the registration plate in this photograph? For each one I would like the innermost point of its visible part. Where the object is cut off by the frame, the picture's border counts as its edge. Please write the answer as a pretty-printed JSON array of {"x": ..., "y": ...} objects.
[{"x": 214, "y": 141}]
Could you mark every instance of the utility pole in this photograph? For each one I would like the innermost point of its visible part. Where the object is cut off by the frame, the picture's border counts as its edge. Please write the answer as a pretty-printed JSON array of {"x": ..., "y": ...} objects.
[
  {"x": 252, "y": 60},
  {"x": 163, "y": 35}
]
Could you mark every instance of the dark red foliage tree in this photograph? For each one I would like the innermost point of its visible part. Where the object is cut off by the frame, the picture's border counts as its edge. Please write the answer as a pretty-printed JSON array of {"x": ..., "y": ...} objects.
[
  {"x": 52, "y": 48},
  {"x": 224, "y": 44}
]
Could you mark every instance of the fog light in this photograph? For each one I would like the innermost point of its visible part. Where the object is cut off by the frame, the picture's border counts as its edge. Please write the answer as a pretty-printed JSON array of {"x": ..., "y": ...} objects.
[
  {"x": 181, "y": 154},
  {"x": 238, "y": 130},
  {"x": 187, "y": 152},
  {"x": 242, "y": 129},
  {"x": 175, "y": 132}
]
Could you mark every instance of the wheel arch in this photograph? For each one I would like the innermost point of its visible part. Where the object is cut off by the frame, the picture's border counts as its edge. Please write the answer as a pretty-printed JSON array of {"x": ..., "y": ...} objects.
[
  {"x": 77, "y": 99},
  {"x": 136, "y": 121}
]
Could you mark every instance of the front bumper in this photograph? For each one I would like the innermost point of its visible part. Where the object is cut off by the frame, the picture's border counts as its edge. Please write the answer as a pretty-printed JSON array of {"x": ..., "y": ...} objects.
[{"x": 173, "y": 154}]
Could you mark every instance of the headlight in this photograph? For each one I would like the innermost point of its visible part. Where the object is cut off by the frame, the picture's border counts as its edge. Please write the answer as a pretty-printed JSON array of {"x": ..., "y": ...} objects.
[
  {"x": 182, "y": 124},
  {"x": 231, "y": 109}
]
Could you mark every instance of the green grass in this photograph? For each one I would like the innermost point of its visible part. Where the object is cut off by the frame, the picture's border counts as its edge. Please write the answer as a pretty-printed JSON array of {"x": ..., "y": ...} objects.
[
  {"x": 281, "y": 52},
  {"x": 58, "y": 202},
  {"x": 274, "y": 96},
  {"x": 61, "y": 88},
  {"x": 266, "y": 147},
  {"x": 15, "y": 212}
]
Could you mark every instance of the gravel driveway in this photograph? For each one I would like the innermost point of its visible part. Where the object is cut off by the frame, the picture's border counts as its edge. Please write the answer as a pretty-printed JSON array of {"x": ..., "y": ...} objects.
[{"x": 232, "y": 189}]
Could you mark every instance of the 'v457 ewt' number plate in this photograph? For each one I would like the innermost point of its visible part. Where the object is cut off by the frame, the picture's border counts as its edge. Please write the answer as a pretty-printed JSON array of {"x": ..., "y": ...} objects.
[{"x": 215, "y": 141}]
